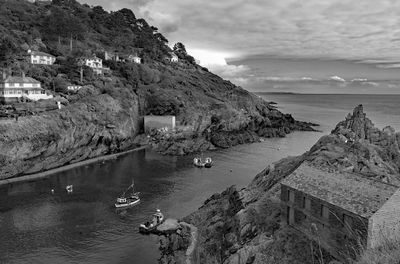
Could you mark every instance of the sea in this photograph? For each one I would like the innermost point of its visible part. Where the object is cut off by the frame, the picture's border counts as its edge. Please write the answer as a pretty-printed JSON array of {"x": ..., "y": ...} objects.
[{"x": 38, "y": 226}]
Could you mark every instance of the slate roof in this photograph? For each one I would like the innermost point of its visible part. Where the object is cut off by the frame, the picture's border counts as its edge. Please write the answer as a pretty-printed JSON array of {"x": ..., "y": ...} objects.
[
  {"x": 19, "y": 79},
  {"x": 350, "y": 191}
]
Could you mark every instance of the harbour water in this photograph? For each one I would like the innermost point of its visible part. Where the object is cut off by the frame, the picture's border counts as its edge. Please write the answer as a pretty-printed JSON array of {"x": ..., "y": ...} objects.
[{"x": 37, "y": 226}]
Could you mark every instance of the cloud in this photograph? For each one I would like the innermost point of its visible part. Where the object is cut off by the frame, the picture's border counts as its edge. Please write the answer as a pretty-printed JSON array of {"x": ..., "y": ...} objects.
[
  {"x": 343, "y": 29},
  {"x": 366, "y": 32}
]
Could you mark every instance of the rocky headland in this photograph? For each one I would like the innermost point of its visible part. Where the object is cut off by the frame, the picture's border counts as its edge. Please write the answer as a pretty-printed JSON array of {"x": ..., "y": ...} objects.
[{"x": 243, "y": 226}]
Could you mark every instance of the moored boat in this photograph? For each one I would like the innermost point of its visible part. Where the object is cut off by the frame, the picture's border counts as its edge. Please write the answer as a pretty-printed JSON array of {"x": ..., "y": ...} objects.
[
  {"x": 128, "y": 200},
  {"x": 198, "y": 163},
  {"x": 208, "y": 162}
]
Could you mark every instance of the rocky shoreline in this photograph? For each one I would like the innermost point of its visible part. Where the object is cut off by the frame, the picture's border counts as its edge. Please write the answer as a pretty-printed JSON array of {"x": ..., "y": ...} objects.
[{"x": 243, "y": 226}]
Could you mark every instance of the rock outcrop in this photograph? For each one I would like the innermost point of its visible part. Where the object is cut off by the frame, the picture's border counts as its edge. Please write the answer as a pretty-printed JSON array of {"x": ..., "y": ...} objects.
[{"x": 243, "y": 226}]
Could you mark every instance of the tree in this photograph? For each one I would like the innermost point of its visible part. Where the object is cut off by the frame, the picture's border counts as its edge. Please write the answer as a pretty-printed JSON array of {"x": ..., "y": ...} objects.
[
  {"x": 61, "y": 23},
  {"x": 180, "y": 48},
  {"x": 7, "y": 50}
]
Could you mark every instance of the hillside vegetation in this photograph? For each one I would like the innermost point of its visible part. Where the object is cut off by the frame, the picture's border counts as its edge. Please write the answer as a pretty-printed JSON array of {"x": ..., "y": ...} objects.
[{"x": 105, "y": 115}]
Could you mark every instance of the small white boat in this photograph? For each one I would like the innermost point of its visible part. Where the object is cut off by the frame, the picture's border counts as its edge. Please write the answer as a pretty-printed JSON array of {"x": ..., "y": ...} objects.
[
  {"x": 126, "y": 201},
  {"x": 198, "y": 163},
  {"x": 208, "y": 162},
  {"x": 69, "y": 188}
]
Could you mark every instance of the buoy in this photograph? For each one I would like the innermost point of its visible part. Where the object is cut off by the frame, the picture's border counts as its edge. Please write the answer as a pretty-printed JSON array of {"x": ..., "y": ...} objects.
[
  {"x": 52, "y": 191},
  {"x": 69, "y": 188}
]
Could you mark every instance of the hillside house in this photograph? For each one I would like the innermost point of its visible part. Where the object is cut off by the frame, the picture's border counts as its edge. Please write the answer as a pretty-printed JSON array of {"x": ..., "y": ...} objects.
[
  {"x": 174, "y": 57},
  {"x": 111, "y": 56},
  {"x": 135, "y": 58},
  {"x": 95, "y": 63},
  {"x": 38, "y": 57},
  {"x": 344, "y": 212},
  {"x": 13, "y": 88},
  {"x": 159, "y": 122}
]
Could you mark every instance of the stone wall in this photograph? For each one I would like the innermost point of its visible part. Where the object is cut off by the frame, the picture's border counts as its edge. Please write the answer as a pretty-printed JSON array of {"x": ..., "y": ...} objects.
[
  {"x": 384, "y": 225},
  {"x": 339, "y": 237}
]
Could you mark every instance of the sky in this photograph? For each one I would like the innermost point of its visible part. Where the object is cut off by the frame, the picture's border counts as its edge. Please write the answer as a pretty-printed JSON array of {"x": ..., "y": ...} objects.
[{"x": 242, "y": 39}]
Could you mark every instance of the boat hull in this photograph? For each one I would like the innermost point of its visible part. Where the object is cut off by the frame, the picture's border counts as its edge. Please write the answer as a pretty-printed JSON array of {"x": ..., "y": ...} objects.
[{"x": 127, "y": 204}]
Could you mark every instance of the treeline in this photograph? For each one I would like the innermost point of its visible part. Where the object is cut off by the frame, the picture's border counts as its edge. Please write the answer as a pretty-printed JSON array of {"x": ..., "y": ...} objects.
[{"x": 62, "y": 27}]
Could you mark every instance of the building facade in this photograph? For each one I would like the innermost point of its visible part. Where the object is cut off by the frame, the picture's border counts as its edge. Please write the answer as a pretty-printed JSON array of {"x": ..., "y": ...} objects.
[
  {"x": 95, "y": 63},
  {"x": 158, "y": 122},
  {"x": 343, "y": 212},
  {"x": 174, "y": 57},
  {"x": 38, "y": 57},
  {"x": 14, "y": 88},
  {"x": 135, "y": 59}
]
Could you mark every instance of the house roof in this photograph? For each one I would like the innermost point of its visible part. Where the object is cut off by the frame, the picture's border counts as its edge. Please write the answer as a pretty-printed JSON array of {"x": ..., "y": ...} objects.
[
  {"x": 39, "y": 53},
  {"x": 19, "y": 79},
  {"x": 352, "y": 192}
]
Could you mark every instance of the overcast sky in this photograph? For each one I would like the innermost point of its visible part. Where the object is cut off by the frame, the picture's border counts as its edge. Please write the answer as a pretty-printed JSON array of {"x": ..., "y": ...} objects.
[{"x": 364, "y": 30}]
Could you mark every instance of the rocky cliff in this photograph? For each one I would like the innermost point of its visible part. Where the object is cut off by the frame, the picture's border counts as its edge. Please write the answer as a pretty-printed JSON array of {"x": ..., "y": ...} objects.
[
  {"x": 243, "y": 226},
  {"x": 95, "y": 125}
]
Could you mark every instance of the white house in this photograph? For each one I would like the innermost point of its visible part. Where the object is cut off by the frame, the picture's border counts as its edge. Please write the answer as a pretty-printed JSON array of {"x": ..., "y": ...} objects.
[
  {"x": 135, "y": 58},
  {"x": 95, "y": 63},
  {"x": 174, "y": 57},
  {"x": 73, "y": 88},
  {"x": 14, "y": 87},
  {"x": 38, "y": 57}
]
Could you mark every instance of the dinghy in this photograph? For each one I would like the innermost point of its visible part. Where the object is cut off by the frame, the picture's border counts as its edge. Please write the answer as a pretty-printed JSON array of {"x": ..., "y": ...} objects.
[{"x": 150, "y": 226}]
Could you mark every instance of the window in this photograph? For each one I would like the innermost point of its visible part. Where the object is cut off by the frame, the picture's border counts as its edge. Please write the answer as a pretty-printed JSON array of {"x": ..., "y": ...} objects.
[
  {"x": 347, "y": 221},
  {"x": 11, "y": 84},
  {"x": 21, "y": 84},
  {"x": 307, "y": 203},
  {"x": 324, "y": 212},
  {"x": 290, "y": 196}
]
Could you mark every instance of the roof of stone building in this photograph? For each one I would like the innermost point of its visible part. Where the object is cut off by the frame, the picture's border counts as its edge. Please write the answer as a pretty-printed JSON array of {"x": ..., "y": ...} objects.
[
  {"x": 350, "y": 191},
  {"x": 19, "y": 79}
]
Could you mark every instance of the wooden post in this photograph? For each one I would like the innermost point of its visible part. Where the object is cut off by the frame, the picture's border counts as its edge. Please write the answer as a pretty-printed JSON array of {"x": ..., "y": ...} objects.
[
  {"x": 70, "y": 43},
  {"x": 81, "y": 72}
]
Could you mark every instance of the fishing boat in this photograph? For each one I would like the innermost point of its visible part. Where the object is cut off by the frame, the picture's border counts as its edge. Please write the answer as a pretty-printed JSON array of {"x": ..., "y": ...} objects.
[
  {"x": 128, "y": 198},
  {"x": 150, "y": 226}
]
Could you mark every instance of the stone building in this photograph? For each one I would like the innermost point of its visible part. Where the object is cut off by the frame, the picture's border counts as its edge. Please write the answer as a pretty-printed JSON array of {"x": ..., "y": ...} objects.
[
  {"x": 343, "y": 212},
  {"x": 158, "y": 122}
]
